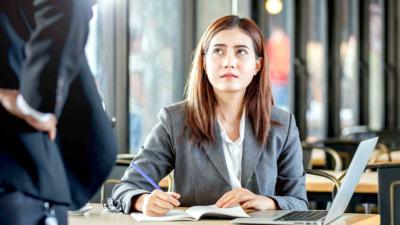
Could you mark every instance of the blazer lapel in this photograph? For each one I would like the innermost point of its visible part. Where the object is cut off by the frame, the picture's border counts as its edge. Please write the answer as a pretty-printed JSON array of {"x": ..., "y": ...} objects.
[
  {"x": 215, "y": 153},
  {"x": 252, "y": 150}
]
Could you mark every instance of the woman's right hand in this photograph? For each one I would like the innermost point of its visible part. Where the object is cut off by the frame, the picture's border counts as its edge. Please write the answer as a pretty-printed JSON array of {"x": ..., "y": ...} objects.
[{"x": 157, "y": 203}]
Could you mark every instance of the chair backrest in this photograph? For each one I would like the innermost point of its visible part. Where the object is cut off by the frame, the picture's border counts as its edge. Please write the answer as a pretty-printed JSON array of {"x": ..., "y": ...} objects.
[
  {"x": 116, "y": 174},
  {"x": 325, "y": 174},
  {"x": 344, "y": 148},
  {"x": 389, "y": 193},
  {"x": 335, "y": 162},
  {"x": 390, "y": 138},
  {"x": 307, "y": 151}
]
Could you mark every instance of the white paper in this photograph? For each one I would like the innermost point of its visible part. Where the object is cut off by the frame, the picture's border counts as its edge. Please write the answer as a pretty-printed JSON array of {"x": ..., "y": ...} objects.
[{"x": 193, "y": 213}]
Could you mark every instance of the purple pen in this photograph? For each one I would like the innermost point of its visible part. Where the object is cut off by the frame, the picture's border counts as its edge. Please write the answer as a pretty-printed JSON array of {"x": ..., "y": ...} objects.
[{"x": 145, "y": 176}]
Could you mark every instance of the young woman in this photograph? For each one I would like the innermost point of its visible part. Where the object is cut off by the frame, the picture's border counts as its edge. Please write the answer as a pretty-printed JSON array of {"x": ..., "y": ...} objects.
[{"x": 226, "y": 143}]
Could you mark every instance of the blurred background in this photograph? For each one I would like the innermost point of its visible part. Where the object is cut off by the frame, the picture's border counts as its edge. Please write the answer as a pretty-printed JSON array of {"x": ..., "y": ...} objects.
[{"x": 333, "y": 63}]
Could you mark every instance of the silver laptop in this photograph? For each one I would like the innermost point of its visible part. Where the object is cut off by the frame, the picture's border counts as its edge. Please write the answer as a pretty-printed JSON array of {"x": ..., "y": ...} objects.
[{"x": 339, "y": 205}]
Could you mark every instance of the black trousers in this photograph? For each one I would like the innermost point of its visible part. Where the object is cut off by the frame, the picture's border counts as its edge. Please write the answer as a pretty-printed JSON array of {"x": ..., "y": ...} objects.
[{"x": 18, "y": 208}]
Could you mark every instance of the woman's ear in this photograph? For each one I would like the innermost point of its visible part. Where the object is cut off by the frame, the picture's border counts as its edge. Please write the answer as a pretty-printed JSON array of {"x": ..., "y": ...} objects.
[{"x": 259, "y": 63}]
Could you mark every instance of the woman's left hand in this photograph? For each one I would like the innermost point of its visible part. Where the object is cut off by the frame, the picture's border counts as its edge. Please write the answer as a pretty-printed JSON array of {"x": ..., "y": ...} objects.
[{"x": 247, "y": 200}]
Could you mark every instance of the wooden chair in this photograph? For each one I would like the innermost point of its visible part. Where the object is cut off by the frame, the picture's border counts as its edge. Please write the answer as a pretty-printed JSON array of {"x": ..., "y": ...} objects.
[
  {"x": 389, "y": 140},
  {"x": 318, "y": 202},
  {"x": 344, "y": 148},
  {"x": 332, "y": 156},
  {"x": 121, "y": 165}
]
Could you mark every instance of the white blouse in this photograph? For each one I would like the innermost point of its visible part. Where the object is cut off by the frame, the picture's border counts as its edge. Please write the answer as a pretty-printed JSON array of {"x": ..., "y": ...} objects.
[{"x": 233, "y": 153}]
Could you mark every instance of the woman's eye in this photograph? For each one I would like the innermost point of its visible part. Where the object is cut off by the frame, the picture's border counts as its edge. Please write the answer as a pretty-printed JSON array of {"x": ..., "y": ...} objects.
[
  {"x": 218, "y": 51},
  {"x": 242, "y": 52}
]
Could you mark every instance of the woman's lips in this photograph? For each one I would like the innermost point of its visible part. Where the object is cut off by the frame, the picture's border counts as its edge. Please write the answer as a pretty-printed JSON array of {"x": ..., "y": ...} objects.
[{"x": 229, "y": 75}]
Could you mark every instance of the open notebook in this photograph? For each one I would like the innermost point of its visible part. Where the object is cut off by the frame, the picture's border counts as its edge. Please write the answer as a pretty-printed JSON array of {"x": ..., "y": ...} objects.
[{"x": 194, "y": 213}]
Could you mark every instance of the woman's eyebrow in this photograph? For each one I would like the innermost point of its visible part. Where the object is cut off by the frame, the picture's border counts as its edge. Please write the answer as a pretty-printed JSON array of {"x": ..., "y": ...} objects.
[
  {"x": 241, "y": 46},
  {"x": 235, "y": 46},
  {"x": 219, "y": 45}
]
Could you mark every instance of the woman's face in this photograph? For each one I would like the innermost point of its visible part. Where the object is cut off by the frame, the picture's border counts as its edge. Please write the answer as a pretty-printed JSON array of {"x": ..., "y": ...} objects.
[{"x": 230, "y": 61}]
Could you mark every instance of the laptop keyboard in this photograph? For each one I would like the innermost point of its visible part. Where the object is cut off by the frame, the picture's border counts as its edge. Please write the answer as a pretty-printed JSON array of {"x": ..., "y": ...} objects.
[{"x": 303, "y": 216}]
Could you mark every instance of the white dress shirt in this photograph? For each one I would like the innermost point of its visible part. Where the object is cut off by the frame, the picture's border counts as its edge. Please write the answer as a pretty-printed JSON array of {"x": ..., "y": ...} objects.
[
  {"x": 233, "y": 153},
  {"x": 29, "y": 111}
]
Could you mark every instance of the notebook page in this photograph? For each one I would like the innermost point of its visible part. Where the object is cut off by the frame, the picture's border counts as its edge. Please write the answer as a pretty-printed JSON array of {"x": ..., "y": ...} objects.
[
  {"x": 172, "y": 215},
  {"x": 197, "y": 211}
]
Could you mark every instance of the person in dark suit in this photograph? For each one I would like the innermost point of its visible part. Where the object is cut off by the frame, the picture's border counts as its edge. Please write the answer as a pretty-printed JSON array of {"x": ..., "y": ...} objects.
[
  {"x": 56, "y": 142},
  {"x": 227, "y": 143}
]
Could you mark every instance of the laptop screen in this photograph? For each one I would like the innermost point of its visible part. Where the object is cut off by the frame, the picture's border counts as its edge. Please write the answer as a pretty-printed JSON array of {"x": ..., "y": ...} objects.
[{"x": 353, "y": 175}]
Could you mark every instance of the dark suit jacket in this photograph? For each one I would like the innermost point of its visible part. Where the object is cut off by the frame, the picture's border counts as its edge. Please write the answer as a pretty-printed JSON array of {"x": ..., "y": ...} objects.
[
  {"x": 200, "y": 173},
  {"x": 42, "y": 55}
]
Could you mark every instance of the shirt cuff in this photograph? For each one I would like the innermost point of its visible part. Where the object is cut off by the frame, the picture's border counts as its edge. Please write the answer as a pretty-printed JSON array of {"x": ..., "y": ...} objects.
[{"x": 29, "y": 111}]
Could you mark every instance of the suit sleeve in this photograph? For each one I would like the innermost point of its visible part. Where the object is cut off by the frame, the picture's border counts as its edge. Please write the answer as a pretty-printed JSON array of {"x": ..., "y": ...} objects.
[
  {"x": 53, "y": 52},
  {"x": 290, "y": 188},
  {"x": 156, "y": 159}
]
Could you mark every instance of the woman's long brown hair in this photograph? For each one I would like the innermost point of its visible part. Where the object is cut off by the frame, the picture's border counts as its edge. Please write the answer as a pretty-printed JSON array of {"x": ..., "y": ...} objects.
[{"x": 200, "y": 99}]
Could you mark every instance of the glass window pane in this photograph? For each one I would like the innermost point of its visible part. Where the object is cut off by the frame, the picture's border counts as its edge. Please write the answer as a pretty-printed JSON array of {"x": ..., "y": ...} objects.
[
  {"x": 279, "y": 50},
  {"x": 376, "y": 86},
  {"x": 349, "y": 63},
  {"x": 209, "y": 10},
  {"x": 98, "y": 51},
  {"x": 92, "y": 42},
  {"x": 155, "y": 51},
  {"x": 316, "y": 69}
]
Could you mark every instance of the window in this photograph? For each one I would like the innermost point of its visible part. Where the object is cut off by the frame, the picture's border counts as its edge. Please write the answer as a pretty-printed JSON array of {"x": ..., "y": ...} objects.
[
  {"x": 376, "y": 81},
  {"x": 316, "y": 68},
  {"x": 348, "y": 51},
  {"x": 278, "y": 28},
  {"x": 209, "y": 10},
  {"x": 99, "y": 53},
  {"x": 155, "y": 51}
]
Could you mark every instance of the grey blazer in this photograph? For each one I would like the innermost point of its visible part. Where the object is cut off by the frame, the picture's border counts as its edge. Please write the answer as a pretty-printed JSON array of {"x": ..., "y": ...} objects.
[{"x": 200, "y": 173}]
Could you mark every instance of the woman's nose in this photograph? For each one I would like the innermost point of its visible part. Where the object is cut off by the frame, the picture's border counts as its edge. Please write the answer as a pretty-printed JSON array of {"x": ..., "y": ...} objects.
[{"x": 230, "y": 61}]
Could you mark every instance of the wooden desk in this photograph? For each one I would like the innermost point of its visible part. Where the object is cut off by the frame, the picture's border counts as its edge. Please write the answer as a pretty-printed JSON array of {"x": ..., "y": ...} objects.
[
  {"x": 368, "y": 183},
  {"x": 318, "y": 158},
  {"x": 384, "y": 158},
  {"x": 99, "y": 216}
]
